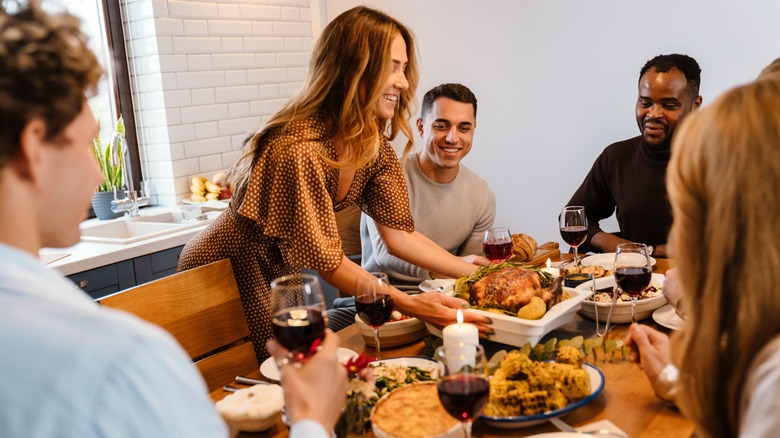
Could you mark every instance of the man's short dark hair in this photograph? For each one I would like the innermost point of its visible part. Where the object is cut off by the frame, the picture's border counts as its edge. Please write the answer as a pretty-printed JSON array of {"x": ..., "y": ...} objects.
[
  {"x": 456, "y": 92},
  {"x": 687, "y": 65}
]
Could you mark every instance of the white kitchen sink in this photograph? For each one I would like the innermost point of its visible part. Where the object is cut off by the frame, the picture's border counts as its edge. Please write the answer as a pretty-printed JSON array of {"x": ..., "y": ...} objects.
[{"x": 128, "y": 230}]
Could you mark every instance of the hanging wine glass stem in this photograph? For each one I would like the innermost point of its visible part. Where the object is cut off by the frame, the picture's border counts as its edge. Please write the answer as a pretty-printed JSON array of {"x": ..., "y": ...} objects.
[
  {"x": 376, "y": 341},
  {"x": 633, "y": 309},
  {"x": 576, "y": 258},
  {"x": 467, "y": 429}
]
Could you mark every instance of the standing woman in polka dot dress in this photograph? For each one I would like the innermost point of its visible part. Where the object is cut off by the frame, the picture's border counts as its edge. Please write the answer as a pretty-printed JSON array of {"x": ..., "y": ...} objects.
[{"x": 324, "y": 150}]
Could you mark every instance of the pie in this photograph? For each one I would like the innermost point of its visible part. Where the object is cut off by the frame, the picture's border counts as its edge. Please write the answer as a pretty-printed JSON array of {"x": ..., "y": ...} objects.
[{"x": 412, "y": 411}]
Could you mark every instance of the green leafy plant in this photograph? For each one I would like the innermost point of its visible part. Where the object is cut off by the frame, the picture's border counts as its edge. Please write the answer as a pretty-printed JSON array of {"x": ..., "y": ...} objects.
[
  {"x": 596, "y": 346},
  {"x": 112, "y": 174}
]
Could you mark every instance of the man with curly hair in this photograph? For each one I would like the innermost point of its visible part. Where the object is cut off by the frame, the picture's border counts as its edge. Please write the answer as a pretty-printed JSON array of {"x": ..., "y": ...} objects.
[{"x": 70, "y": 368}]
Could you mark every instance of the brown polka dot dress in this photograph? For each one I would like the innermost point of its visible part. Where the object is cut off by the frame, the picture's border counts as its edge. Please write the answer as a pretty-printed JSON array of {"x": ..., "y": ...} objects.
[{"x": 286, "y": 220}]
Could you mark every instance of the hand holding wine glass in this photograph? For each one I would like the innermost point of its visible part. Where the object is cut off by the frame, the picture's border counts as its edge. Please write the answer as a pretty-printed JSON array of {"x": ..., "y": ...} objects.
[
  {"x": 299, "y": 318},
  {"x": 633, "y": 271},
  {"x": 497, "y": 244},
  {"x": 374, "y": 302},
  {"x": 574, "y": 228},
  {"x": 463, "y": 382}
]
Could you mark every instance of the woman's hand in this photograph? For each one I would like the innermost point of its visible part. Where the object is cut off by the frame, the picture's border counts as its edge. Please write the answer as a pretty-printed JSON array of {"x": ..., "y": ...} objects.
[
  {"x": 650, "y": 349},
  {"x": 316, "y": 390},
  {"x": 441, "y": 310}
]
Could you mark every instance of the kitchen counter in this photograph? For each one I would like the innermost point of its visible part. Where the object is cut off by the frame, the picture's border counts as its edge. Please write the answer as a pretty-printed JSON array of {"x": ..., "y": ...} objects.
[{"x": 88, "y": 255}]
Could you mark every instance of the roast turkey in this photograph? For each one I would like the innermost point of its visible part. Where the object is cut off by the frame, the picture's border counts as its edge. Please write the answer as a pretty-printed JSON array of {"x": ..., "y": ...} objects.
[{"x": 511, "y": 288}]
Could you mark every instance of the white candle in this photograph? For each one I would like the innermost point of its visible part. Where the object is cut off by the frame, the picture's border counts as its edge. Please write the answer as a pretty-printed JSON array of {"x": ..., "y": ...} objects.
[
  {"x": 555, "y": 272},
  {"x": 460, "y": 334}
]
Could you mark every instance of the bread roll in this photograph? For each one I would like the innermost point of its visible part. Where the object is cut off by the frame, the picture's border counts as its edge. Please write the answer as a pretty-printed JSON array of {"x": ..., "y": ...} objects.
[{"x": 524, "y": 247}]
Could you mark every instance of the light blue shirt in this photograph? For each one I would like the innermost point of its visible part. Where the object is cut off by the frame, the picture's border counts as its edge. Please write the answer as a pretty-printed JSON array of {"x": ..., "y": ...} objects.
[
  {"x": 71, "y": 369},
  {"x": 308, "y": 429}
]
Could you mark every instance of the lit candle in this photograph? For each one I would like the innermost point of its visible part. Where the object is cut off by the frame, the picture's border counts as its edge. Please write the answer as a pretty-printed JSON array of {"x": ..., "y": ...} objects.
[
  {"x": 555, "y": 272},
  {"x": 456, "y": 338},
  {"x": 461, "y": 333}
]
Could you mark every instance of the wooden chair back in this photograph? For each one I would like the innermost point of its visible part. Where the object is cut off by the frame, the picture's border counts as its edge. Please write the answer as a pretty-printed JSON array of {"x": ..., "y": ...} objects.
[{"x": 202, "y": 309}]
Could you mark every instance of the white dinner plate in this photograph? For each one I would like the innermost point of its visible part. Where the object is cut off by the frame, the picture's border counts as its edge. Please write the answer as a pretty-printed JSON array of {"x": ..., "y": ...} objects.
[
  {"x": 269, "y": 369},
  {"x": 605, "y": 260},
  {"x": 596, "y": 385},
  {"x": 668, "y": 317},
  {"x": 443, "y": 285},
  {"x": 409, "y": 361}
]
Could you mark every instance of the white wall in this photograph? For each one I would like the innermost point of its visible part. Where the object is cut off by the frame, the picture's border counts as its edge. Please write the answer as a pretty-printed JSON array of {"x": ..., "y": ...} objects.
[
  {"x": 205, "y": 73},
  {"x": 556, "y": 80}
]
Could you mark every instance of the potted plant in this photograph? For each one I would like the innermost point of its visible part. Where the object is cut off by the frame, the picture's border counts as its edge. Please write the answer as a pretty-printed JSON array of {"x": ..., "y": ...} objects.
[{"x": 112, "y": 174}]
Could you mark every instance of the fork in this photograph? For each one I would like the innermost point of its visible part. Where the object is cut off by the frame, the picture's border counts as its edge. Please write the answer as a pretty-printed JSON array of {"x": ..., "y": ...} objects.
[{"x": 247, "y": 381}]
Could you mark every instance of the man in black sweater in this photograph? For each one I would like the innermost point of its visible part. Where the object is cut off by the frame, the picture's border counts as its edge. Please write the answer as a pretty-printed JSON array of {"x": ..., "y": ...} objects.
[{"x": 629, "y": 177}]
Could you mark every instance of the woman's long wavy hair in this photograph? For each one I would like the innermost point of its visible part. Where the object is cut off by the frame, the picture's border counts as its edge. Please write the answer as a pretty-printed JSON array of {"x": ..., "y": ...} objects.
[
  {"x": 723, "y": 182},
  {"x": 347, "y": 74}
]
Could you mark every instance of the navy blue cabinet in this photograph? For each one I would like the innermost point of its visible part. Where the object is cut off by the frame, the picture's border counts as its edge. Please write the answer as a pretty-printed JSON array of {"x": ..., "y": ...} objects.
[{"x": 108, "y": 279}]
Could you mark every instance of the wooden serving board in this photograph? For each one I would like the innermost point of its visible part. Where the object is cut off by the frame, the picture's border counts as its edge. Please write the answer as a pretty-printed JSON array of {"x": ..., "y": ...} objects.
[{"x": 545, "y": 251}]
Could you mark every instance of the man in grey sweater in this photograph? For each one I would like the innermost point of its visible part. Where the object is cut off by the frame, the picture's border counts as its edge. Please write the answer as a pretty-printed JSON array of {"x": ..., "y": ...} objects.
[{"x": 451, "y": 204}]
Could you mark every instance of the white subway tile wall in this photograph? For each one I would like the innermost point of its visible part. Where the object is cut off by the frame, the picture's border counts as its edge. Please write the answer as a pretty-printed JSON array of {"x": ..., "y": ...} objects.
[{"x": 204, "y": 74}]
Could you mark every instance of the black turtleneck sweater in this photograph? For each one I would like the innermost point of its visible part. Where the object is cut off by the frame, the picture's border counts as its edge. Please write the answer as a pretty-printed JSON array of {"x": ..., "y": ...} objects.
[{"x": 628, "y": 177}]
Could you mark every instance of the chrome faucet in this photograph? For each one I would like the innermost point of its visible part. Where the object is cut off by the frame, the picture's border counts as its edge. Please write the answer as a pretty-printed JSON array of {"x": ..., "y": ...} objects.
[{"x": 131, "y": 201}]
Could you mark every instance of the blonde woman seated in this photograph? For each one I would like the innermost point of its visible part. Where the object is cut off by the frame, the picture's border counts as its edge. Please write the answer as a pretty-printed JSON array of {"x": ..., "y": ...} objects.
[{"x": 723, "y": 182}]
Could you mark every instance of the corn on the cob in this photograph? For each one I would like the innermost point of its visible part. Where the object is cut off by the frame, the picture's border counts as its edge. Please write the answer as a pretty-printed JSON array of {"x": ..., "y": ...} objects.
[
  {"x": 521, "y": 386},
  {"x": 570, "y": 355}
]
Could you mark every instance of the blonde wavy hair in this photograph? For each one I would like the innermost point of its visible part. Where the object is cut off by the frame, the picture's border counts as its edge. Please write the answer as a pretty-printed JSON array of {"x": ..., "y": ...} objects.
[
  {"x": 348, "y": 71},
  {"x": 723, "y": 181}
]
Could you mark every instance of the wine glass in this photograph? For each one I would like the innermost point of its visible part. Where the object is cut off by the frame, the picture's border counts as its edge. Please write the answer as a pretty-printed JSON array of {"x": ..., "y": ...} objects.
[
  {"x": 373, "y": 302},
  {"x": 633, "y": 271},
  {"x": 574, "y": 228},
  {"x": 497, "y": 244},
  {"x": 463, "y": 382},
  {"x": 299, "y": 315}
]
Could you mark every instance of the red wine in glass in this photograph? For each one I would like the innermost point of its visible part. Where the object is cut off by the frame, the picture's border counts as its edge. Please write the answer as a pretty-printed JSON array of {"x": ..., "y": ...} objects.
[
  {"x": 573, "y": 223},
  {"x": 373, "y": 301},
  {"x": 463, "y": 386},
  {"x": 633, "y": 280},
  {"x": 497, "y": 252},
  {"x": 463, "y": 395},
  {"x": 497, "y": 244},
  {"x": 299, "y": 318},
  {"x": 374, "y": 310},
  {"x": 574, "y": 235},
  {"x": 300, "y": 330},
  {"x": 633, "y": 271}
]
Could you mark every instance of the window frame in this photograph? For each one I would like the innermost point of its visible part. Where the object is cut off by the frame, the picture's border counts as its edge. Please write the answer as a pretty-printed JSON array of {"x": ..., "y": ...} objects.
[{"x": 123, "y": 95}]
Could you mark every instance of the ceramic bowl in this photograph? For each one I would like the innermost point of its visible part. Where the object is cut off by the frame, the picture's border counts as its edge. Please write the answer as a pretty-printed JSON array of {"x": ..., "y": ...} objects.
[
  {"x": 621, "y": 314},
  {"x": 512, "y": 330},
  {"x": 393, "y": 333},
  {"x": 252, "y": 409}
]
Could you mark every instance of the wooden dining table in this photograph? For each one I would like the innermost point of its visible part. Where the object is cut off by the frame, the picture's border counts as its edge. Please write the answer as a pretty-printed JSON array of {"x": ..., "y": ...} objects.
[{"x": 627, "y": 400}]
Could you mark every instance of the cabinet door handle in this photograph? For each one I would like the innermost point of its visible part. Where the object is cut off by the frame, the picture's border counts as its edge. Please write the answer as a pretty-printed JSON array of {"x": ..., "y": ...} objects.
[{"x": 82, "y": 284}]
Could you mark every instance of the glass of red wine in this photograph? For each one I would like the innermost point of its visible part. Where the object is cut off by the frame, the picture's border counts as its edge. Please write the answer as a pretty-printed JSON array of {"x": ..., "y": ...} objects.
[
  {"x": 463, "y": 382},
  {"x": 497, "y": 244},
  {"x": 374, "y": 302},
  {"x": 633, "y": 271},
  {"x": 298, "y": 315},
  {"x": 574, "y": 228}
]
